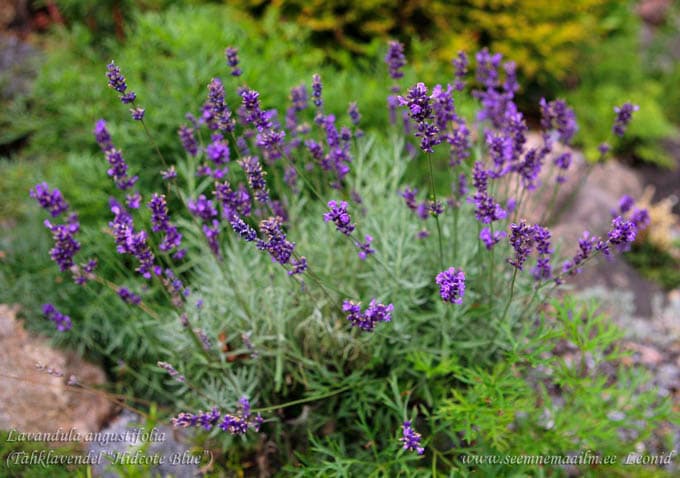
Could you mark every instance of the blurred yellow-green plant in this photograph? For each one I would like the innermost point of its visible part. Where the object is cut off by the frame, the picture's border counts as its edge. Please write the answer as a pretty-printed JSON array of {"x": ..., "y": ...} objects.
[{"x": 544, "y": 37}]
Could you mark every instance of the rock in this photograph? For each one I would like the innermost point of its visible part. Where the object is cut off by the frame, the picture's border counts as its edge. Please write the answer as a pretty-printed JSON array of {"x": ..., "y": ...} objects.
[
  {"x": 165, "y": 453},
  {"x": 647, "y": 355},
  {"x": 668, "y": 376},
  {"x": 35, "y": 401},
  {"x": 591, "y": 207}
]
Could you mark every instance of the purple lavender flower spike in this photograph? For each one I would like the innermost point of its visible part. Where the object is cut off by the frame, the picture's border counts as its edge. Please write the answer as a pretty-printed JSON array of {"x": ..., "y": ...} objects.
[
  {"x": 316, "y": 90},
  {"x": 276, "y": 243},
  {"x": 626, "y": 203},
  {"x": 395, "y": 59},
  {"x": 65, "y": 244},
  {"x": 119, "y": 169},
  {"x": 557, "y": 116},
  {"x": 299, "y": 266},
  {"x": 522, "y": 241},
  {"x": 168, "y": 174},
  {"x": 365, "y": 247},
  {"x": 490, "y": 240},
  {"x": 116, "y": 79},
  {"x": 624, "y": 114},
  {"x": 451, "y": 285},
  {"x": 137, "y": 114},
  {"x": 186, "y": 136},
  {"x": 622, "y": 233},
  {"x": 367, "y": 320},
  {"x": 102, "y": 136},
  {"x": 340, "y": 217},
  {"x": 160, "y": 222},
  {"x": 172, "y": 371},
  {"x": 133, "y": 200},
  {"x": 218, "y": 114},
  {"x": 240, "y": 227},
  {"x": 460, "y": 66},
  {"x": 411, "y": 439},
  {"x": 51, "y": 201},
  {"x": 202, "y": 208},
  {"x": 128, "y": 296},
  {"x": 641, "y": 219},
  {"x": 63, "y": 322},
  {"x": 231, "y": 55},
  {"x": 256, "y": 178},
  {"x": 354, "y": 114}
]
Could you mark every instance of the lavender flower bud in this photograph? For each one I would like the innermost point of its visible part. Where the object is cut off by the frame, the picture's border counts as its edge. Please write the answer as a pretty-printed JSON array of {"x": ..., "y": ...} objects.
[{"x": 411, "y": 439}]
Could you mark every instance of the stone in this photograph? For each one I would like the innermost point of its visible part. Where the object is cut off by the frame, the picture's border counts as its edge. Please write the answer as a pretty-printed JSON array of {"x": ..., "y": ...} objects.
[
  {"x": 167, "y": 454},
  {"x": 34, "y": 401}
]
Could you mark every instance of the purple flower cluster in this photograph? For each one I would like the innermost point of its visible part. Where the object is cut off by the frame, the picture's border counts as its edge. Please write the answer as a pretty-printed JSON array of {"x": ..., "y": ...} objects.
[
  {"x": 235, "y": 424},
  {"x": 128, "y": 296},
  {"x": 118, "y": 167},
  {"x": 587, "y": 245},
  {"x": 275, "y": 241},
  {"x": 298, "y": 266},
  {"x": 451, "y": 285},
  {"x": 420, "y": 109},
  {"x": 340, "y": 217},
  {"x": 188, "y": 139},
  {"x": 624, "y": 114},
  {"x": 84, "y": 272},
  {"x": 367, "y": 320},
  {"x": 256, "y": 178},
  {"x": 202, "y": 208},
  {"x": 487, "y": 210},
  {"x": 490, "y": 239},
  {"x": 622, "y": 233},
  {"x": 316, "y": 90},
  {"x": 52, "y": 201},
  {"x": 216, "y": 113},
  {"x": 65, "y": 244},
  {"x": 130, "y": 242},
  {"x": 496, "y": 97},
  {"x": 233, "y": 202},
  {"x": 160, "y": 222},
  {"x": 231, "y": 54},
  {"x": 557, "y": 116},
  {"x": 63, "y": 322},
  {"x": 411, "y": 439},
  {"x": 365, "y": 247},
  {"x": 395, "y": 59},
  {"x": 522, "y": 241},
  {"x": 117, "y": 82},
  {"x": 460, "y": 66}
]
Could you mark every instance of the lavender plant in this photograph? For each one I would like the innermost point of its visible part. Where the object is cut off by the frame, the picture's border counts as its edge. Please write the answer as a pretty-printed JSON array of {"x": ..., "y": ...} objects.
[{"x": 250, "y": 271}]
